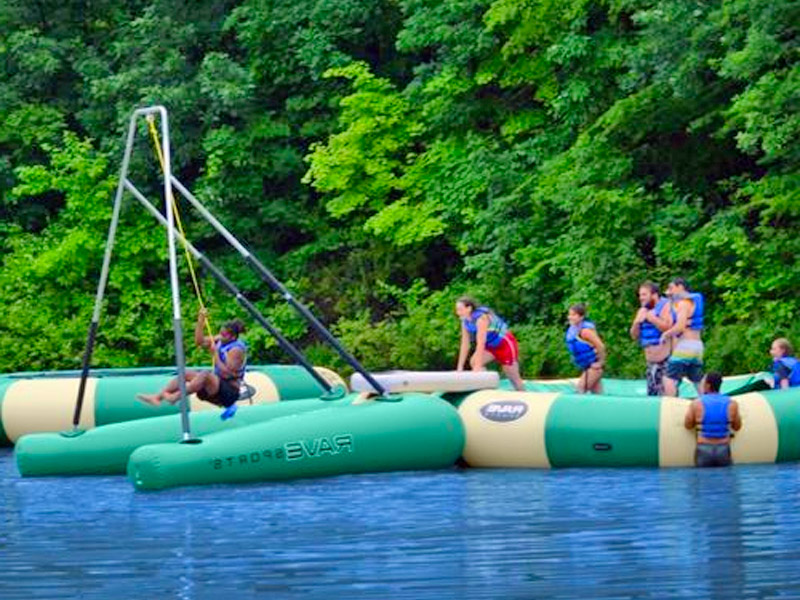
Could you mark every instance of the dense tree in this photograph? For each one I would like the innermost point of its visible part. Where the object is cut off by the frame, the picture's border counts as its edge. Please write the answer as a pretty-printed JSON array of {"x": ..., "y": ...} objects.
[{"x": 385, "y": 157}]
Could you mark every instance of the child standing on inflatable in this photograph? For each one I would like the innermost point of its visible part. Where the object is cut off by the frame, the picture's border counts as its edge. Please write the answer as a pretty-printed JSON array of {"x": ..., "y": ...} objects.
[
  {"x": 492, "y": 338},
  {"x": 785, "y": 367},
  {"x": 586, "y": 348},
  {"x": 686, "y": 359}
]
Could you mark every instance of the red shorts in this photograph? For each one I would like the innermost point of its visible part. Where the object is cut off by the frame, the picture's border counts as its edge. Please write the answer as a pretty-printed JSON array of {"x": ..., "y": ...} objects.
[{"x": 507, "y": 351}]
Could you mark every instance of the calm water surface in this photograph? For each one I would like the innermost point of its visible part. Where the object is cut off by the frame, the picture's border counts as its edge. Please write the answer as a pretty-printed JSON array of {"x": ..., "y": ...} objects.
[{"x": 732, "y": 533}]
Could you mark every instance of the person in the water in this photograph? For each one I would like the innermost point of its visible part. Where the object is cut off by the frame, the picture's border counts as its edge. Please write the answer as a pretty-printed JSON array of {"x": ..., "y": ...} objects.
[
  {"x": 652, "y": 319},
  {"x": 714, "y": 415},
  {"x": 220, "y": 387},
  {"x": 785, "y": 367},
  {"x": 492, "y": 338},
  {"x": 586, "y": 348}
]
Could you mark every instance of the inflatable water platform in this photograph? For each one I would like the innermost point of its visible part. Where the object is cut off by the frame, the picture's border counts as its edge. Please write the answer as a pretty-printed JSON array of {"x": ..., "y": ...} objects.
[{"x": 45, "y": 401}]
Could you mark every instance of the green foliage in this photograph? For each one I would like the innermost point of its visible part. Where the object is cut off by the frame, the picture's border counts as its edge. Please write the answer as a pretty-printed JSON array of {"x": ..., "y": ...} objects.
[{"x": 386, "y": 157}]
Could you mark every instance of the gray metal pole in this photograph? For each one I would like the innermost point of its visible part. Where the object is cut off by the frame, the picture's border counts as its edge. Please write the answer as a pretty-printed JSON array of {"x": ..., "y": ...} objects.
[
  {"x": 101, "y": 285},
  {"x": 285, "y": 344},
  {"x": 278, "y": 287},
  {"x": 180, "y": 358}
]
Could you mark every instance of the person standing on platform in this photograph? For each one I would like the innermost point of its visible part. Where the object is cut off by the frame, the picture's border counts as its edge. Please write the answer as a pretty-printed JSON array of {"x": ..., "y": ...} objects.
[
  {"x": 492, "y": 338},
  {"x": 587, "y": 350},
  {"x": 652, "y": 319},
  {"x": 686, "y": 359}
]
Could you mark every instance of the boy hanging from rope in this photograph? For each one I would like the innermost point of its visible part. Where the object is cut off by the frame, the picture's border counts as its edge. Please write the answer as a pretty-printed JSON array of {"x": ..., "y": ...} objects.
[{"x": 230, "y": 358}]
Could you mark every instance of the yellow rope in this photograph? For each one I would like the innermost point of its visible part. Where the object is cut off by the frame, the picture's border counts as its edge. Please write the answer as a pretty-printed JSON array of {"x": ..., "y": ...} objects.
[{"x": 189, "y": 261}]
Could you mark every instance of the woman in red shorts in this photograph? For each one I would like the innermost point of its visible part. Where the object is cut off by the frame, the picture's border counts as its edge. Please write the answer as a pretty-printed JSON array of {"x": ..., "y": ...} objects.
[{"x": 493, "y": 340}]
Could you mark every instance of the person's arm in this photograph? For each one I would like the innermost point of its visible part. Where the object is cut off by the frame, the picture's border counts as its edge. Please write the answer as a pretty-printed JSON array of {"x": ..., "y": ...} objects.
[
  {"x": 233, "y": 363},
  {"x": 684, "y": 306},
  {"x": 591, "y": 337},
  {"x": 690, "y": 420},
  {"x": 636, "y": 326},
  {"x": 202, "y": 340},
  {"x": 783, "y": 372},
  {"x": 480, "y": 343},
  {"x": 734, "y": 416},
  {"x": 463, "y": 351},
  {"x": 662, "y": 321}
]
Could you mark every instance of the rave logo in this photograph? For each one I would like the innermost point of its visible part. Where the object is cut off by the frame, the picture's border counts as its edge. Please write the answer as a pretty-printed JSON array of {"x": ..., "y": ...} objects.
[{"x": 504, "y": 411}]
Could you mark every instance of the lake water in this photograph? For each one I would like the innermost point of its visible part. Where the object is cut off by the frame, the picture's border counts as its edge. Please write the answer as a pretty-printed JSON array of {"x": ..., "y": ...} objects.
[{"x": 637, "y": 533}]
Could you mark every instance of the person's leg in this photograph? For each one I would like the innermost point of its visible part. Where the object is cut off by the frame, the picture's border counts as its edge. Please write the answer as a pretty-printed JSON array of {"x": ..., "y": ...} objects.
[
  {"x": 594, "y": 378},
  {"x": 507, "y": 354},
  {"x": 650, "y": 377},
  {"x": 203, "y": 383},
  {"x": 589, "y": 381},
  {"x": 674, "y": 374},
  {"x": 168, "y": 392},
  {"x": 720, "y": 455},
  {"x": 695, "y": 375},
  {"x": 512, "y": 372},
  {"x": 478, "y": 363}
]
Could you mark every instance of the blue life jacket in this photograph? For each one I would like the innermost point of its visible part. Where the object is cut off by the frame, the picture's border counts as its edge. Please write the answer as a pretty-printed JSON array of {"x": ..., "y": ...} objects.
[
  {"x": 222, "y": 352},
  {"x": 649, "y": 334},
  {"x": 715, "y": 416},
  {"x": 497, "y": 326},
  {"x": 791, "y": 363},
  {"x": 696, "y": 320},
  {"x": 583, "y": 353}
]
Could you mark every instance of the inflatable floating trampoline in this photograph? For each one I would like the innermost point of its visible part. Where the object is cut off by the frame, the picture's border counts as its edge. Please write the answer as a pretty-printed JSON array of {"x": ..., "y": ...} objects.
[{"x": 362, "y": 432}]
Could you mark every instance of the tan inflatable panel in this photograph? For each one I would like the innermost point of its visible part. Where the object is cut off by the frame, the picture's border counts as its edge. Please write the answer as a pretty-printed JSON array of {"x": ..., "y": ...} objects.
[
  {"x": 37, "y": 405},
  {"x": 506, "y": 429},
  {"x": 757, "y": 442},
  {"x": 676, "y": 444},
  {"x": 428, "y": 381}
]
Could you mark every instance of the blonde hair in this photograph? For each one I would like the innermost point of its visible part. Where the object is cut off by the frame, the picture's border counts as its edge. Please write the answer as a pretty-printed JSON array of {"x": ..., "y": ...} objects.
[{"x": 784, "y": 345}]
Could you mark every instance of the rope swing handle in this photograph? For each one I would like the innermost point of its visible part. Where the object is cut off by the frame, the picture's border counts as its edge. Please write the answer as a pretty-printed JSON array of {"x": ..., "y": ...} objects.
[{"x": 189, "y": 260}]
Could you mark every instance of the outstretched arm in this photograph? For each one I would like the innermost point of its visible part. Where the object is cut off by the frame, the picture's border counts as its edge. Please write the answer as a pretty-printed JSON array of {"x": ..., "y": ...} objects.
[{"x": 463, "y": 351}]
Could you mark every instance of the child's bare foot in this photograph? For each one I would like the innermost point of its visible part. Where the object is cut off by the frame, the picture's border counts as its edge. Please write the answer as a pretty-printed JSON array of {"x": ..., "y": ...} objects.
[{"x": 151, "y": 399}]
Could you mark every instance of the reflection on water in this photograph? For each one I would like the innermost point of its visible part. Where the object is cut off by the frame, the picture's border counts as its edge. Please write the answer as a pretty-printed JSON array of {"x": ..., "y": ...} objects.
[{"x": 645, "y": 533}]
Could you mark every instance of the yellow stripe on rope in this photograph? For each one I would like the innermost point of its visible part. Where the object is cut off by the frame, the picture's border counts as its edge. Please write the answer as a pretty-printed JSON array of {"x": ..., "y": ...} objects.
[{"x": 189, "y": 261}]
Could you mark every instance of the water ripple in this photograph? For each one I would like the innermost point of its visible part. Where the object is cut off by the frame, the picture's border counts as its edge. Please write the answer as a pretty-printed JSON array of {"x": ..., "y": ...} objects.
[{"x": 636, "y": 533}]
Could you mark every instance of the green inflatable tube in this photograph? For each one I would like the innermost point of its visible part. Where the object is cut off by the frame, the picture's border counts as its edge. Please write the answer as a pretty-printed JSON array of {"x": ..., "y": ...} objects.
[
  {"x": 407, "y": 432},
  {"x": 549, "y": 430},
  {"x": 45, "y": 402},
  {"x": 105, "y": 450},
  {"x": 732, "y": 385}
]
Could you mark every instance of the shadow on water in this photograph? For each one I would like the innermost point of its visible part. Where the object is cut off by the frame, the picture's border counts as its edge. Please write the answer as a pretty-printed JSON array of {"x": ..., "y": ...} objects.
[{"x": 638, "y": 533}]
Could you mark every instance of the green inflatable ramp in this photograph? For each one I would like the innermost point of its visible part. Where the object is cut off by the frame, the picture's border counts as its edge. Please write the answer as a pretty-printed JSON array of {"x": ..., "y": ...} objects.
[
  {"x": 105, "y": 450},
  {"x": 407, "y": 432}
]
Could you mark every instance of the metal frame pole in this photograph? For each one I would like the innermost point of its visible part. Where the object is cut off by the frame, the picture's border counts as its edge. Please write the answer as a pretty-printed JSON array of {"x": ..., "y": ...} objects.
[
  {"x": 177, "y": 324},
  {"x": 279, "y": 288},
  {"x": 285, "y": 344},
  {"x": 101, "y": 285}
]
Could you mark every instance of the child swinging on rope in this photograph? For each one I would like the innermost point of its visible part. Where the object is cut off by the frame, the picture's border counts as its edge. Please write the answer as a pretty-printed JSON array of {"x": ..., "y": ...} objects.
[{"x": 220, "y": 387}]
